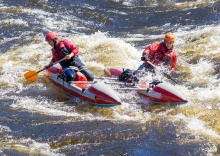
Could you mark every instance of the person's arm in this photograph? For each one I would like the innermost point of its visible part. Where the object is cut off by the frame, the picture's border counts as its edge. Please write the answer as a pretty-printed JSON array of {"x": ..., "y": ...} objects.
[
  {"x": 173, "y": 62},
  {"x": 150, "y": 49},
  {"x": 72, "y": 48},
  {"x": 146, "y": 51}
]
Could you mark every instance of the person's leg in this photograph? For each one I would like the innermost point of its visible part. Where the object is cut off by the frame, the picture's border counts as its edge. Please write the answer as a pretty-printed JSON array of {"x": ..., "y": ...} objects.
[
  {"x": 83, "y": 69},
  {"x": 144, "y": 68},
  {"x": 140, "y": 68},
  {"x": 88, "y": 74}
]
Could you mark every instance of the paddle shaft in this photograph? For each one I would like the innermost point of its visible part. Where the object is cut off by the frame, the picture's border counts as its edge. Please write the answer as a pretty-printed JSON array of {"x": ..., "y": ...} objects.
[
  {"x": 48, "y": 66},
  {"x": 151, "y": 64},
  {"x": 168, "y": 76}
]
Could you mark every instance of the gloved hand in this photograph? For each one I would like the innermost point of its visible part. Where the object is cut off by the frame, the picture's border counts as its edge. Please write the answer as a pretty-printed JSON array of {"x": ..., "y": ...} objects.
[{"x": 144, "y": 58}]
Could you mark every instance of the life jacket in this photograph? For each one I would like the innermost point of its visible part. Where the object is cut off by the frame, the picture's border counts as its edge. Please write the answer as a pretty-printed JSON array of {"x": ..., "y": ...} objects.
[
  {"x": 161, "y": 56},
  {"x": 59, "y": 52}
]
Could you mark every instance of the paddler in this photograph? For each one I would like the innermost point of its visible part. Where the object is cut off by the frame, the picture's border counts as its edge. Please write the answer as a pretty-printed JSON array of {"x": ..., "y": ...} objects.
[
  {"x": 160, "y": 53},
  {"x": 65, "y": 48}
]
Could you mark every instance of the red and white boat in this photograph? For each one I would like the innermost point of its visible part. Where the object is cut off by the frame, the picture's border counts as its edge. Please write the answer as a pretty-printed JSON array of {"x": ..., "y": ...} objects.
[
  {"x": 157, "y": 93},
  {"x": 95, "y": 93}
]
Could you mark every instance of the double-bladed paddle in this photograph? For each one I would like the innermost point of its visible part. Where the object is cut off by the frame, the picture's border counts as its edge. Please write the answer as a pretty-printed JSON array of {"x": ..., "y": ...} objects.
[{"x": 32, "y": 75}]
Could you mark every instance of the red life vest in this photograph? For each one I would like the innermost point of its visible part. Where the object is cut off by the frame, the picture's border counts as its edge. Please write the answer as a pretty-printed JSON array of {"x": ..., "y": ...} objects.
[
  {"x": 63, "y": 48},
  {"x": 159, "y": 54}
]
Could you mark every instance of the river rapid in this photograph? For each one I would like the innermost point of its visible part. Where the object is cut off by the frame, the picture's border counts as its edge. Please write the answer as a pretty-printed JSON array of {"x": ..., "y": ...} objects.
[{"x": 40, "y": 119}]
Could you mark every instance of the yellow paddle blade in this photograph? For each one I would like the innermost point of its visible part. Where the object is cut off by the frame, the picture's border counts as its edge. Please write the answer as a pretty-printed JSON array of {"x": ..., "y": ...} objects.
[{"x": 31, "y": 75}]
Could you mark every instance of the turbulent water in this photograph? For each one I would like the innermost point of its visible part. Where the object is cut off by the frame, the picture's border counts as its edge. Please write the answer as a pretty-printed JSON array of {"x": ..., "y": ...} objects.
[{"x": 40, "y": 119}]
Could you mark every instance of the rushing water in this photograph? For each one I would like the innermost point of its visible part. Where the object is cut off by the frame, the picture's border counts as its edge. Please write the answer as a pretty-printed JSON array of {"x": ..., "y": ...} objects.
[{"x": 40, "y": 119}]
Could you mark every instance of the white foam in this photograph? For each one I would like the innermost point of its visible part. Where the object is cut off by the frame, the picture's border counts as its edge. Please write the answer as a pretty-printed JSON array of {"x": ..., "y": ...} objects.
[
  {"x": 43, "y": 106},
  {"x": 31, "y": 147},
  {"x": 201, "y": 127}
]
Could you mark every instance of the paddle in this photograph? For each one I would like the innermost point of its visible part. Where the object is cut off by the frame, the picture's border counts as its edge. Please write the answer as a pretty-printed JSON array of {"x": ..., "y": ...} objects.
[
  {"x": 165, "y": 74},
  {"x": 32, "y": 75}
]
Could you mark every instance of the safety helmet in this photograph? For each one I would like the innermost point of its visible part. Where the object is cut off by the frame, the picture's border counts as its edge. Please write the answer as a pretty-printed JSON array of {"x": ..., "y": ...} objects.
[
  {"x": 169, "y": 37},
  {"x": 51, "y": 36}
]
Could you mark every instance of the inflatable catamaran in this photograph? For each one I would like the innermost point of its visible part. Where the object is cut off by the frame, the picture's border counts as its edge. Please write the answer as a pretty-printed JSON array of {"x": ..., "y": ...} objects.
[
  {"x": 95, "y": 93},
  {"x": 156, "y": 92}
]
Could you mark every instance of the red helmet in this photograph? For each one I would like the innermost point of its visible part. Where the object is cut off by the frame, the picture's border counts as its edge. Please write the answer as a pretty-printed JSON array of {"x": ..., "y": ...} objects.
[
  {"x": 51, "y": 36},
  {"x": 169, "y": 37}
]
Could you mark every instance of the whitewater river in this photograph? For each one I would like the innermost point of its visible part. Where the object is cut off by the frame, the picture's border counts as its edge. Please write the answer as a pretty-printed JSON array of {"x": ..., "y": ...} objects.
[{"x": 40, "y": 119}]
